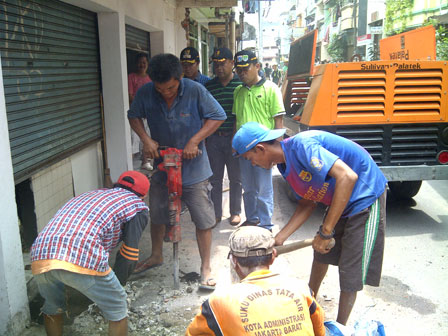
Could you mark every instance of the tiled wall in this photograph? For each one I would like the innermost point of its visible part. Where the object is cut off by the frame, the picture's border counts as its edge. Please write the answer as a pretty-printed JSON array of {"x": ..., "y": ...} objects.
[{"x": 52, "y": 188}]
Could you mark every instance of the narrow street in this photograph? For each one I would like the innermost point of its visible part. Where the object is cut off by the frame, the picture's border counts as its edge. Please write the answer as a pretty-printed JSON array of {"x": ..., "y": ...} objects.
[{"x": 410, "y": 301}]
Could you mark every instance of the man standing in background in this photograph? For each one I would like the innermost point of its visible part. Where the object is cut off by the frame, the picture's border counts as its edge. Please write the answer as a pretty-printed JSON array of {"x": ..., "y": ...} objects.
[
  {"x": 219, "y": 144},
  {"x": 276, "y": 75},
  {"x": 189, "y": 58},
  {"x": 257, "y": 100},
  {"x": 267, "y": 71}
]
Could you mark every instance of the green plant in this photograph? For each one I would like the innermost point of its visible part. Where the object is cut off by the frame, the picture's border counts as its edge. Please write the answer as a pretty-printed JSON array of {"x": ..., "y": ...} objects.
[
  {"x": 442, "y": 43},
  {"x": 397, "y": 14},
  {"x": 441, "y": 38},
  {"x": 336, "y": 48}
]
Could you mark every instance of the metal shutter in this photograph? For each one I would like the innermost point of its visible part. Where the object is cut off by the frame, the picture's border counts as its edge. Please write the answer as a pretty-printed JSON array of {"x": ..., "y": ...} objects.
[
  {"x": 137, "y": 39},
  {"x": 51, "y": 75}
]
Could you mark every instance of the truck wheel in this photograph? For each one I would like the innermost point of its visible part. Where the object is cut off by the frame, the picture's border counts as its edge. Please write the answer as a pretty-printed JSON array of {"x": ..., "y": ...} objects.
[{"x": 405, "y": 189}]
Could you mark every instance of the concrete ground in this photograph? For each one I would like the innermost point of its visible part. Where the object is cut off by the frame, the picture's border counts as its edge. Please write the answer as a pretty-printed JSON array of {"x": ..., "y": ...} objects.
[{"x": 410, "y": 301}]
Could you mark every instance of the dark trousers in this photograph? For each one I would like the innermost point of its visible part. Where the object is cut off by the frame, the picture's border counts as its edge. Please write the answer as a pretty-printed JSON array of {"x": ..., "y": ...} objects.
[{"x": 219, "y": 151}]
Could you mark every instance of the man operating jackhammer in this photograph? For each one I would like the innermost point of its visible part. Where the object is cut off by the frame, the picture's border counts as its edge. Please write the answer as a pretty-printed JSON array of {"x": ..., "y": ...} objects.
[
  {"x": 180, "y": 113},
  {"x": 326, "y": 168},
  {"x": 73, "y": 250},
  {"x": 264, "y": 302}
]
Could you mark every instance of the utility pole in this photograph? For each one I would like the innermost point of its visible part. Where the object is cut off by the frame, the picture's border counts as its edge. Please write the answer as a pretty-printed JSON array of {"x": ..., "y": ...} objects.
[{"x": 260, "y": 34}]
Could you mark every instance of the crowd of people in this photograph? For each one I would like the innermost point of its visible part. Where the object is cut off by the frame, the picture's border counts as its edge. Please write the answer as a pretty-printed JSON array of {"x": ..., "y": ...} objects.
[{"x": 232, "y": 122}]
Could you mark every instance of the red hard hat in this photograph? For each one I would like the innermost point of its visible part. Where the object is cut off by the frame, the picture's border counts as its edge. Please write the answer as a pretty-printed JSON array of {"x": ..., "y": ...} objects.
[{"x": 135, "y": 181}]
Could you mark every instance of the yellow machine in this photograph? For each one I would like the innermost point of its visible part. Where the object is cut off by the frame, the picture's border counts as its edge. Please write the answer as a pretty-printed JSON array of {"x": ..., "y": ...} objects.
[{"x": 396, "y": 109}]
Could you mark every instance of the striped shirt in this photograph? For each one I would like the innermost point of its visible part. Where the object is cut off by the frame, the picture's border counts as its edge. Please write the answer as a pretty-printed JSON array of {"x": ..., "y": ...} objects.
[
  {"x": 87, "y": 227},
  {"x": 224, "y": 96}
]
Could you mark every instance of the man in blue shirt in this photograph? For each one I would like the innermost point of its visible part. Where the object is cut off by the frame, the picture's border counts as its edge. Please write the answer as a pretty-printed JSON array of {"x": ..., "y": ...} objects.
[
  {"x": 181, "y": 114},
  {"x": 189, "y": 57},
  {"x": 326, "y": 168}
]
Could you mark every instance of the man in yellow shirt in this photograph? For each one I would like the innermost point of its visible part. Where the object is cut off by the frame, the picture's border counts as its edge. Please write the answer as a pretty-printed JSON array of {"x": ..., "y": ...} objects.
[{"x": 264, "y": 302}]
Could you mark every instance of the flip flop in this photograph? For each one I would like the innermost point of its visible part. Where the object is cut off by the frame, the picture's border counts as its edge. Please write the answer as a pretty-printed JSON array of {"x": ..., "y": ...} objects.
[
  {"x": 140, "y": 268},
  {"x": 205, "y": 285}
]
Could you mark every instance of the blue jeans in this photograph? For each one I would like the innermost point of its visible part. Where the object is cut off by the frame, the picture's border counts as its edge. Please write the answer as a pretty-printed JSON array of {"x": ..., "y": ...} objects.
[
  {"x": 219, "y": 150},
  {"x": 258, "y": 193},
  {"x": 105, "y": 291}
]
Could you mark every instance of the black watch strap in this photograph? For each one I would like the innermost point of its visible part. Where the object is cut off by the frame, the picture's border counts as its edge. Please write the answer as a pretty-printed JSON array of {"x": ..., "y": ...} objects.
[{"x": 323, "y": 235}]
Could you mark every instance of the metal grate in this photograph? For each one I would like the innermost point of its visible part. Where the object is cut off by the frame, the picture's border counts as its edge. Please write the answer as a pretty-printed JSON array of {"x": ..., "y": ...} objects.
[
  {"x": 418, "y": 92},
  {"x": 396, "y": 144},
  {"x": 414, "y": 145},
  {"x": 361, "y": 93},
  {"x": 372, "y": 139},
  {"x": 299, "y": 91}
]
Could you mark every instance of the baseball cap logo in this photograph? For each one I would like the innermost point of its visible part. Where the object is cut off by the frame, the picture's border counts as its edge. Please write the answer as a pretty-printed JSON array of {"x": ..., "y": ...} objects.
[{"x": 242, "y": 58}]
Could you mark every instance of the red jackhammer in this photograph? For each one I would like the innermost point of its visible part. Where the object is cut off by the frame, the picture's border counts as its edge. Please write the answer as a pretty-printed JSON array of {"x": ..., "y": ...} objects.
[{"x": 172, "y": 163}]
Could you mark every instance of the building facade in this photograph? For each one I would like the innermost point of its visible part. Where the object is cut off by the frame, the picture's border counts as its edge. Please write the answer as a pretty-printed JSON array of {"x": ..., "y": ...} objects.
[{"x": 63, "y": 104}]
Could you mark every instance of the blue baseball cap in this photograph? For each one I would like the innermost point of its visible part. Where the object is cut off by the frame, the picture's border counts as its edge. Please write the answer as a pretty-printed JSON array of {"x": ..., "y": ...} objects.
[{"x": 252, "y": 133}]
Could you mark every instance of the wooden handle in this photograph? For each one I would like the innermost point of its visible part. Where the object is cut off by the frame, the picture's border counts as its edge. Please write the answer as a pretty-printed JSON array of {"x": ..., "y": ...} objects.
[{"x": 298, "y": 245}]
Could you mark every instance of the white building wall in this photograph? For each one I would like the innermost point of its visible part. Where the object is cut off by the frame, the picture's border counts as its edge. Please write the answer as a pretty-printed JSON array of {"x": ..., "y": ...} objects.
[
  {"x": 13, "y": 299},
  {"x": 83, "y": 170}
]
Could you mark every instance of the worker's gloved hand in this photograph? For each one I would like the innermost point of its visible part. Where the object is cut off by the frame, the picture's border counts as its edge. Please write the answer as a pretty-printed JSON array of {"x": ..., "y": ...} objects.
[
  {"x": 150, "y": 149},
  {"x": 321, "y": 245}
]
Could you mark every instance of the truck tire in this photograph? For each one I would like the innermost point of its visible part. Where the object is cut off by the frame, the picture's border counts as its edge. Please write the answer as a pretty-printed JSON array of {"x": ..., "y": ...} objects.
[{"x": 404, "y": 189}]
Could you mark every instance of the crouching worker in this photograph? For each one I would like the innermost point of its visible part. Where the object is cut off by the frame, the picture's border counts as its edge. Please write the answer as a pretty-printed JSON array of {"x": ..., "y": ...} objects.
[
  {"x": 264, "y": 302},
  {"x": 73, "y": 250}
]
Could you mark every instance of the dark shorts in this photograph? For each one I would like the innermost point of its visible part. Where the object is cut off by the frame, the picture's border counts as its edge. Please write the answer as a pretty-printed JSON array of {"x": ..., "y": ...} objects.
[
  {"x": 196, "y": 198},
  {"x": 359, "y": 247}
]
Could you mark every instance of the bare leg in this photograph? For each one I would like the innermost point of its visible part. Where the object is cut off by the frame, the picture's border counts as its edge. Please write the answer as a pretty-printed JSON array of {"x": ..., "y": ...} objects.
[
  {"x": 204, "y": 239},
  {"x": 156, "y": 258},
  {"x": 118, "y": 328},
  {"x": 318, "y": 272},
  {"x": 346, "y": 303},
  {"x": 53, "y": 324}
]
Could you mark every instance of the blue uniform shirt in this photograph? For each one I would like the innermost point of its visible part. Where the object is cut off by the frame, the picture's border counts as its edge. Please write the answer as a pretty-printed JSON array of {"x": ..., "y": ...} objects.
[
  {"x": 200, "y": 78},
  {"x": 309, "y": 157},
  {"x": 175, "y": 126}
]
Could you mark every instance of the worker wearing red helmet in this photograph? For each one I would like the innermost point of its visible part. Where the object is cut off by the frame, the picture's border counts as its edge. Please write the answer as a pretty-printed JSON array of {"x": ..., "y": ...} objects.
[{"x": 73, "y": 250}]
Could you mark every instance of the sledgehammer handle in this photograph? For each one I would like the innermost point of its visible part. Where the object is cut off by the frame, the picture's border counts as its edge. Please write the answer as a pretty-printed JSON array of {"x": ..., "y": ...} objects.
[{"x": 298, "y": 245}]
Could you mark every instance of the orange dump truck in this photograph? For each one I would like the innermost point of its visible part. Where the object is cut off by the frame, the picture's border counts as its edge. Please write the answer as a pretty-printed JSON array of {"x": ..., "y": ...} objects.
[{"x": 396, "y": 109}]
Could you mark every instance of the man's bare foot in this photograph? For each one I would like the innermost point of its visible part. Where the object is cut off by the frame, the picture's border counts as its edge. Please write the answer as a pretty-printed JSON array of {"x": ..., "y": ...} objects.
[{"x": 147, "y": 264}]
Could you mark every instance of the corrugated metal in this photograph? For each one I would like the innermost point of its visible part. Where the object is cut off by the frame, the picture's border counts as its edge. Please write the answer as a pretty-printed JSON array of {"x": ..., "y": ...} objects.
[
  {"x": 418, "y": 92},
  {"x": 361, "y": 93},
  {"x": 50, "y": 60},
  {"x": 137, "y": 39},
  {"x": 397, "y": 144}
]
